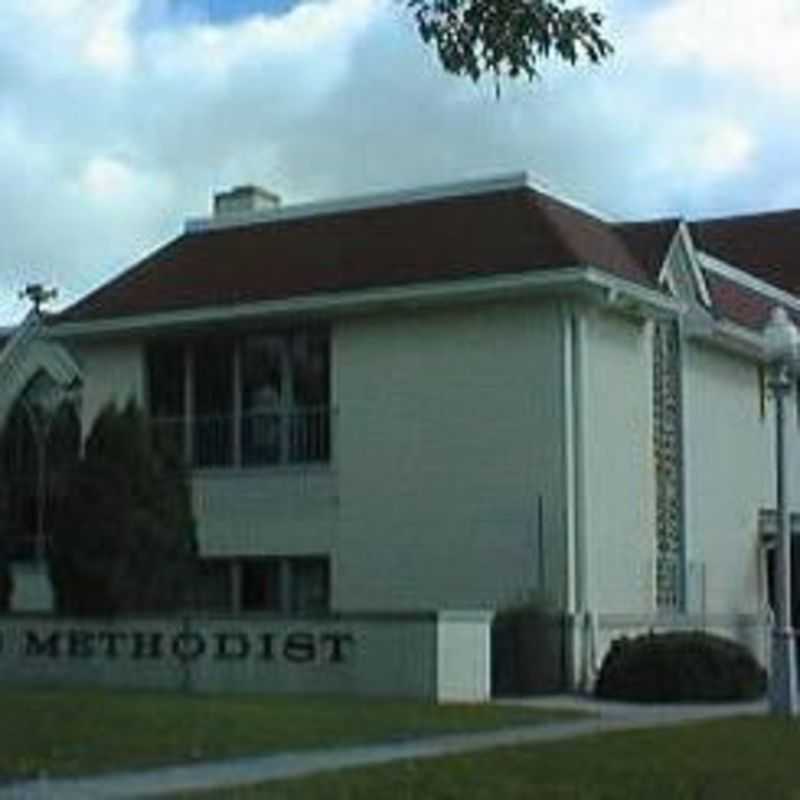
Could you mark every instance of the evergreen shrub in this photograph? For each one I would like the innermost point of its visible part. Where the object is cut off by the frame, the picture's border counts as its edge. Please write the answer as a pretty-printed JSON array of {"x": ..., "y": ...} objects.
[
  {"x": 527, "y": 649},
  {"x": 679, "y": 666},
  {"x": 124, "y": 538}
]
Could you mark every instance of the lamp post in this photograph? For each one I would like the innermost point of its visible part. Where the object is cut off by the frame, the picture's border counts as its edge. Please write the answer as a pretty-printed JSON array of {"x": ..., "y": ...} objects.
[{"x": 783, "y": 347}]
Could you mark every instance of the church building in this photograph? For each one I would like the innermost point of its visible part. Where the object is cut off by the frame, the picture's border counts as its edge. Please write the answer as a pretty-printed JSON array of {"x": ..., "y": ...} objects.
[{"x": 451, "y": 397}]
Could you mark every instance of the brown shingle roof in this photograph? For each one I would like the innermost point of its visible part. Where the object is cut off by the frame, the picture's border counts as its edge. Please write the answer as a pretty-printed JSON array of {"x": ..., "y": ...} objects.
[
  {"x": 449, "y": 238},
  {"x": 766, "y": 245},
  {"x": 737, "y": 303},
  {"x": 649, "y": 242}
]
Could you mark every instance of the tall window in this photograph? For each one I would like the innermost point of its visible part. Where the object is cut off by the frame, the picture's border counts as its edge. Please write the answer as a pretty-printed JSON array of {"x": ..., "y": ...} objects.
[
  {"x": 258, "y": 399},
  {"x": 266, "y": 399},
  {"x": 213, "y": 387},
  {"x": 668, "y": 451},
  {"x": 38, "y": 451},
  {"x": 167, "y": 390}
]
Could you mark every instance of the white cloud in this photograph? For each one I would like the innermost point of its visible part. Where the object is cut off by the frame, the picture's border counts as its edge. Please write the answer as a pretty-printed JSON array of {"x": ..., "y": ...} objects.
[
  {"x": 96, "y": 33},
  {"x": 713, "y": 147},
  {"x": 306, "y": 32},
  {"x": 113, "y": 131},
  {"x": 725, "y": 147},
  {"x": 105, "y": 177},
  {"x": 754, "y": 40},
  {"x": 108, "y": 44}
]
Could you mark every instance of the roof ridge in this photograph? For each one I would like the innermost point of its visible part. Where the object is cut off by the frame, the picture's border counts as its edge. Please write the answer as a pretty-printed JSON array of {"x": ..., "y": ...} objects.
[
  {"x": 510, "y": 181},
  {"x": 748, "y": 215},
  {"x": 361, "y": 202},
  {"x": 672, "y": 220}
]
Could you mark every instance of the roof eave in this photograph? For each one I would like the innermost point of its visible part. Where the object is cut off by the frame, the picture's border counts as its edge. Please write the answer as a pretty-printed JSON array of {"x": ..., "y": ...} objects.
[
  {"x": 590, "y": 281},
  {"x": 733, "y": 338}
]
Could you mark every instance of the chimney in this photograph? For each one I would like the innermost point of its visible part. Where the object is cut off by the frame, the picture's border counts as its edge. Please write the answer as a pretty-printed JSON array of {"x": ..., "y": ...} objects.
[{"x": 244, "y": 200}]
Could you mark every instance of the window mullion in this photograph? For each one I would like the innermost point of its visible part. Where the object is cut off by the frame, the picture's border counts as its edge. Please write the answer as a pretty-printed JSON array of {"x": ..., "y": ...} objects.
[
  {"x": 286, "y": 586},
  {"x": 237, "y": 403},
  {"x": 286, "y": 400}
]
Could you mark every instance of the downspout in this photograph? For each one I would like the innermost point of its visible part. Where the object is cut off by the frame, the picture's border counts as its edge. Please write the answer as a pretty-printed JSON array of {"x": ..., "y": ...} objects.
[
  {"x": 579, "y": 410},
  {"x": 575, "y": 429},
  {"x": 568, "y": 420},
  {"x": 685, "y": 475}
]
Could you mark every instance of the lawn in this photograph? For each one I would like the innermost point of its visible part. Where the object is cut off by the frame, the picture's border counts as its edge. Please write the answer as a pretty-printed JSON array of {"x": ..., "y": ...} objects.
[
  {"x": 743, "y": 758},
  {"x": 69, "y": 732}
]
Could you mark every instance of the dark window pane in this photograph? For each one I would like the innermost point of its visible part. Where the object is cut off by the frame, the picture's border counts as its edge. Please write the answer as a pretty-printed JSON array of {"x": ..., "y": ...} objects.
[
  {"x": 310, "y": 368},
  {"x": 165, "y": 380},
  {"x": 310, "y": 592},
  {"x": 261, "y": 585},
  {"x": 166, "y": 390},
  {"x": 213, "y": 402},
  {"x": 263, "y": 399},
  {"x": 310, "y": 417},
  {"x": 262, "y": 372}
]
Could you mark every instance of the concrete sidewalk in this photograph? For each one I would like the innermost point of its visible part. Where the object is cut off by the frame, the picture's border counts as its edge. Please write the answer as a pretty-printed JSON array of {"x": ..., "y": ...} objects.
[{"x": 226, "y": 774}]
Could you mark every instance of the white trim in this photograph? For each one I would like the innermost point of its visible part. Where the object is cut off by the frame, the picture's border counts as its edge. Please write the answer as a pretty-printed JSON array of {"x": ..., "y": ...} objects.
[
  {"x": 580, "y": 393},
  {"x": 363, "y": 202},
  {"x": 743, "y": 278},
  {"x": 568, "y": 423},
  {"x": 733, "y": 338},
  {"x": 692, "y": 253},
  {"x": 569, "y": 279},
  {"x": 659, "y": 622},
  {"x": 682, "y": 239},
  {"x": 20, "y": 336},
  {"x": 686, "y": 469},
  {"x": 624, "y": 294},
  {"x": 25, "y": 354}
]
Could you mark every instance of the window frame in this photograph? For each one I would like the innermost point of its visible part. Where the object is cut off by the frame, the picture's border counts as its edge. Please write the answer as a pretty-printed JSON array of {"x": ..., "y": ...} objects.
[{"x": 304, "y": 433}]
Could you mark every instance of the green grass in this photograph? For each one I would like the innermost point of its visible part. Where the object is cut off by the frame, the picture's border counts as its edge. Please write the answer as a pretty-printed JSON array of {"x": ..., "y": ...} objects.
[
  {"x": 748, "y": 758},
  {"x": 69, "y": 732}
]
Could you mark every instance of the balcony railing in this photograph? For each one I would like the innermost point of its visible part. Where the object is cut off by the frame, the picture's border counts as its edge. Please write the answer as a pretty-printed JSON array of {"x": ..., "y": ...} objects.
[{"x": 254, "y": 438}]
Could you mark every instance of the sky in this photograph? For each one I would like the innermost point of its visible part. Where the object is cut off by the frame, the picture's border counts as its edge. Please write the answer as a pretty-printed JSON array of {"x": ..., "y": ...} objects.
[{"x": 120, "y": 118}]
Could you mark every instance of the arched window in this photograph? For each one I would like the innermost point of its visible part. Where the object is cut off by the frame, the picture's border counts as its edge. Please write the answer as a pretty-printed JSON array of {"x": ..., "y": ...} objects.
[{"x": 38, "y": 448}]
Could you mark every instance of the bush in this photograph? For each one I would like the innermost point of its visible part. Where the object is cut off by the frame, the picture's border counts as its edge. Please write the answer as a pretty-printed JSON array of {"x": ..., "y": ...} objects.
[
  {"x": 124, "y": 537},
  {"x": 680, "y": 666},
  {"x": 527, "y": 650}
]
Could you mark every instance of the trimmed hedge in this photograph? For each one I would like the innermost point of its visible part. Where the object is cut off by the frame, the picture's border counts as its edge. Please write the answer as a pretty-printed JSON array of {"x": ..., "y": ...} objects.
[
  {"x": 527, "y": 651},
  {"x": 680, "y": 666}
]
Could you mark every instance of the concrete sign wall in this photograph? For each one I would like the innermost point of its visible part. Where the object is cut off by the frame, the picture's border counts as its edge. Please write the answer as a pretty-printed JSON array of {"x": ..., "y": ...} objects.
[{"x": 442, "y": 656}]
